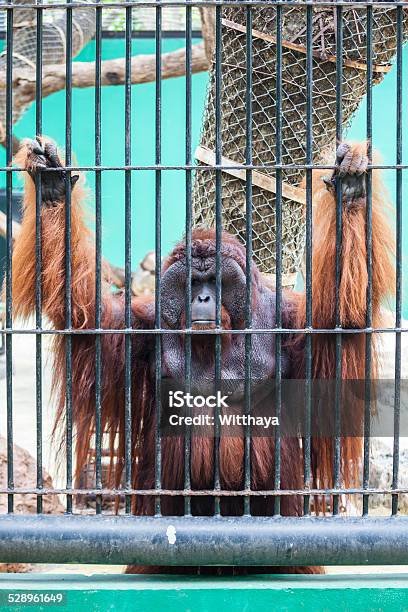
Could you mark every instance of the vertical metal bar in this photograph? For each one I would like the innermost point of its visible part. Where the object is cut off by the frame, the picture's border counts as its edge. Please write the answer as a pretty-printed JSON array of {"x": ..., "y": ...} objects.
[
  {"x": 38, "y": 259},
  {"x": 278, "y": 267},
  {"x": 9, "y": 241},
  {"x": 218, "y": 237},
  {"x": 158, "y": 252},
  {"x": 68, "y": 252},
  {"x": 398, "y": 231},
  {"x": 98, "y": 261},
  {"x": 189, "y": 220},
  {"x": 128, "y": 258},
  {"x": 338, "y": 367},
  {"x": 248, "y": 275},
  {"x": 368, "y": 338},
  {"x": 309, "y": 322}
]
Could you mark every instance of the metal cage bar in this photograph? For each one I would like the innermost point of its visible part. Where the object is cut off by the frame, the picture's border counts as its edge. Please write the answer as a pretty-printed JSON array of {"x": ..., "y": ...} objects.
[
  {"x": 158, "y": 253},
  {"x": 128, "y": 261},
  {"x": 339, "y": 225},
  {"x": 189, "y": 226},
  {"x": 308, "y": 260},
  {"x": 248, "y": 262},
  {"x": 38, "y": 262},
  {"x": 398, "y": 279},
  {"x": 218, "y": 234},
  {"x": 369, "y": 219},
  {"x": 185, "y": 3},
  {"x": 9, "y": 241},
  {"x": 278, "y": 223},
  {"x": 98, "y": 262},
  {"x": 204, "y": 540},
  {"x": 68, "y": 255}
]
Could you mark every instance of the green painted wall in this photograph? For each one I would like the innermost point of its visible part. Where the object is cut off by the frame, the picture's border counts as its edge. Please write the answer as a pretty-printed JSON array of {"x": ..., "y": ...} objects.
[
  {"x": 384, "y": 141},
  {"x": 113, "y": 148}
]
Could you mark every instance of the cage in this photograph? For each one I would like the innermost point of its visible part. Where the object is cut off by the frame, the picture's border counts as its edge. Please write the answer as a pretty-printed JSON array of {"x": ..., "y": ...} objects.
[{"x": 190, "y": 537}]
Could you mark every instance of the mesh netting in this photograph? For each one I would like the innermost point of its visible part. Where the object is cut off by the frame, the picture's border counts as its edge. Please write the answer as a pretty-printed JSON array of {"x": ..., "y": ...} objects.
[
  {"x": 233, "y": 122},
  {"x": 54, "y": 43}
]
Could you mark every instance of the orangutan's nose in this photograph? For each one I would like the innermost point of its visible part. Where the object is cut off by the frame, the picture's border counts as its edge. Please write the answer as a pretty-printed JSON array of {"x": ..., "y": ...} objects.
[{"x": 203, "y": 306}]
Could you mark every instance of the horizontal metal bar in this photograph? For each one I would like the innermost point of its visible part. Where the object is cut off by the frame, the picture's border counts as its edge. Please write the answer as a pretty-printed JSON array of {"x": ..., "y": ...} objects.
[
  {"x": 204, "y": 168},
  {"x": 197, "y": 3},
  {"x": 202, "y": 492},
  {"x": 120, "y": 34},
  {"x": 204, "y": 540},
  {"x": 198, "y": 332},
  {"x": 150, "y": 33}
]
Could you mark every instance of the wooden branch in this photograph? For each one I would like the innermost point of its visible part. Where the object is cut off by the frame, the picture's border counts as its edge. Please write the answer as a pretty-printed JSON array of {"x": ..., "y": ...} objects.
[
  {"x": 206, "y": 156},
  {"x": 113, "y": 73},
  {"x": 207, "y": 15}
]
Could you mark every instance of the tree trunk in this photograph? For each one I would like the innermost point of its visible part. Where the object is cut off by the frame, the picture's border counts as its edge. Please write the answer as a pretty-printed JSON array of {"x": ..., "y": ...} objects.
[{"x": 292, "y": 116}]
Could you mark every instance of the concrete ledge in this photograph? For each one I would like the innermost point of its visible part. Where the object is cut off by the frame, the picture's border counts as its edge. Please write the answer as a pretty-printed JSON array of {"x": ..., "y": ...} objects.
[{"x": 176, "y": 594}]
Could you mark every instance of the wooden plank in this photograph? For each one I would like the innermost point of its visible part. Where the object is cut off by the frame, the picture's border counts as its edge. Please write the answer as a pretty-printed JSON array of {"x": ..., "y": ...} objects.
[{"x": 206, "y": 156}]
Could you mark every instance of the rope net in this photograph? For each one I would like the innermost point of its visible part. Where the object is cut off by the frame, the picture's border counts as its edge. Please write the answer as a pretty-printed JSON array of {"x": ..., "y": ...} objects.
[
  {"x": 293, "y": 116},
  {"x": 54, "y": 43}
]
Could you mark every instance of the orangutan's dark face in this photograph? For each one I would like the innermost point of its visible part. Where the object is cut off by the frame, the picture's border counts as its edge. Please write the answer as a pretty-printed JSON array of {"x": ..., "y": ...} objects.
[{"x": 203, "y": 292}]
